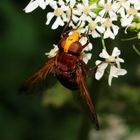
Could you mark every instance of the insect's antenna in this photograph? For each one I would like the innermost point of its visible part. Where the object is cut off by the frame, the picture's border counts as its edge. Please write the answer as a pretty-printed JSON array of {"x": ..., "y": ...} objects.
[{"x": 66, "y": 26}]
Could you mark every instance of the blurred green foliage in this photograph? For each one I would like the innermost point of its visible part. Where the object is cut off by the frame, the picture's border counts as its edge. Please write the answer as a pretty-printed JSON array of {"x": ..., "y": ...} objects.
[{"x": 56, "y": 113}]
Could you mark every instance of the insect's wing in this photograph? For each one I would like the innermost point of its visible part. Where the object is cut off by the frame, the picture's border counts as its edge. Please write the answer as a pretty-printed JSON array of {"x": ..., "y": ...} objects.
[
  {"x": 85, "y": 96},
  {"x": 37, "y": 76}
]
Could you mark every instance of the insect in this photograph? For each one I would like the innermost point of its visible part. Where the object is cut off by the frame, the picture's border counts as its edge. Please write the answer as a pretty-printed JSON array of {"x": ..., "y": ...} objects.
[{"x": 69, "y": 68}]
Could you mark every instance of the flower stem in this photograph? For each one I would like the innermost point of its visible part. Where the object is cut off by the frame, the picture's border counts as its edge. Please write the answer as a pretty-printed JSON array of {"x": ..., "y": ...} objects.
[
  {"x": 132, "y": 38},
  {"x": 103, "y": 43},
  {"x": 136, "y": 50}
]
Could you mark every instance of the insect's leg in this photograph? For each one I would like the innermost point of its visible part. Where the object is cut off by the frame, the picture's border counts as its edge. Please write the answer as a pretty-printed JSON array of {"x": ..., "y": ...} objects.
[
  {"x": 94, "y": 69},
  {"x": 66, "y": 26},
  {"x": 86, "y": 35}
]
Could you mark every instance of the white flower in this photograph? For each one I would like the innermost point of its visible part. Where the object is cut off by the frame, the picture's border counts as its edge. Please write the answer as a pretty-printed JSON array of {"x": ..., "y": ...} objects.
[
  {"x": 85, "y": 53},
  {"x": 109, "y": 8},
  {"x": 86, "y": 10},
  {"x": 59, "y": 13},
  {"x": 114, "y": 62},
  {"x": 110, "y": 29},
  {"x": 95, "y": 28},
  {"x": 34, "y": 4},
  {"x": 128, "y": 11},
  {"x": 52, "y": 52}
]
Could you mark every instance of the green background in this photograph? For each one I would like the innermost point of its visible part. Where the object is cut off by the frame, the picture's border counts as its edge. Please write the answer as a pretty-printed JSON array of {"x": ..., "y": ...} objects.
[{"x": 55, "y": 112}]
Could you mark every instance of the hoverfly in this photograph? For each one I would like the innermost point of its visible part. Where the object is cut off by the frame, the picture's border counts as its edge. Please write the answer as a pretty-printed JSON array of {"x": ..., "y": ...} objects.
[{"x": 69, "y": 68}]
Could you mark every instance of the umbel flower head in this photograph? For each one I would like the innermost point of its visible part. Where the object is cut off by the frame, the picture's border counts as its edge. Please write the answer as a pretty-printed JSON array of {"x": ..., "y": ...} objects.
[
  {"x": 99, "y": 16},
  {"x": 113, "y": 61}
]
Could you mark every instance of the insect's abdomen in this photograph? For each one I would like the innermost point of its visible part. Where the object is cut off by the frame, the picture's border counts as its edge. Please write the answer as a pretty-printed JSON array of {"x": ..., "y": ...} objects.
[{"x": 65, "y": 70}]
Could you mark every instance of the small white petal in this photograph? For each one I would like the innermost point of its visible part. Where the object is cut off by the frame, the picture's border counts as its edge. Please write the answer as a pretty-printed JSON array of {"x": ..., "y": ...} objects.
[
  {"x": 83, "y": 40},
  {"x": 116, "y": 52},
  {"x": 92, "y": 14},
  {"x": 52, "y": 52},
  {"x": 41, "y": 3},
  {"x": 115, "y": 29},
  {"x": 89, "y": 46},
  {"x": 102, "y": 12},
  {"x": 122, "y": 12},
  {"x": 122, "y": 72},
  {"x": 126, "y": 20},
  {"x": 57, "y": 22},
  {"x": 100, "y": 70},
  {"x": 50, "y": 15},
  {"x": 95, "y": 34},
  {"x": 102, "y": 2},
  {"x": 120, "y": 60},
  {"x": 86, "y": 57},
  {"x": 85, "y": 2},
  {"x": 113, "y": 73},
  {"x": 83, "y": 17},
  {"x": 98, "y": 62},
  {"x": 112, "y": 15},
  {"x": 72, "y": 3},
  {"x": 31, "y": 6},
  {"x": 101, "y": 29},
  {"x": 104, "y": 54},
  {"x": 109, "y": 1},
  {"x": 108, "y": 34}
]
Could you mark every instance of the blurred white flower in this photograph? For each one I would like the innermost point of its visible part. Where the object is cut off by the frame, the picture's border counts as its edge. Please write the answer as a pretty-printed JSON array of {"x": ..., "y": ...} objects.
[
  {"x": 114, "y": 62},
  {"x": 34, "y": 4},
  {"x": 52, "y": 52}
]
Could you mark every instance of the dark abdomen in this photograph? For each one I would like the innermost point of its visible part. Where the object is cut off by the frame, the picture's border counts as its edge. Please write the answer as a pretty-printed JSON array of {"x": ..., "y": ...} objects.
[{"x": 65, "y": 70}]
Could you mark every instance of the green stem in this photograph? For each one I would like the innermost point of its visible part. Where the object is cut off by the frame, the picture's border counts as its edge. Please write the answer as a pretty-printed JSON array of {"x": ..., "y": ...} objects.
[
  {"x": 103, "y": 43},
  {"x": 132, "y": 38},
  {"x": 136, "y": 50}
]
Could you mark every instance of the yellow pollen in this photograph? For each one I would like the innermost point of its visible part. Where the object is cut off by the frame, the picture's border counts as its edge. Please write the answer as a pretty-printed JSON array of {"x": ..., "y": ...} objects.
[
  {"x": 58, "y": 12},
  {"x": 108, "y": 23},
  {"x": 71, "y": 39},
  {"x": 108, "y": 6},
  {"x": 86, "y": 9},
  {"x": 92, "y": 25},
  {"x": 111, "y": 59},
  {"x": 132, "y": 11}
]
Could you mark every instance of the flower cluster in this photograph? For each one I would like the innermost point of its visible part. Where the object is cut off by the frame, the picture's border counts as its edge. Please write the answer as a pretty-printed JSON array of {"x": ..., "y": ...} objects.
[
  {"x": 100, "y": 18},
  {"x": 114, "y": 62}
]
